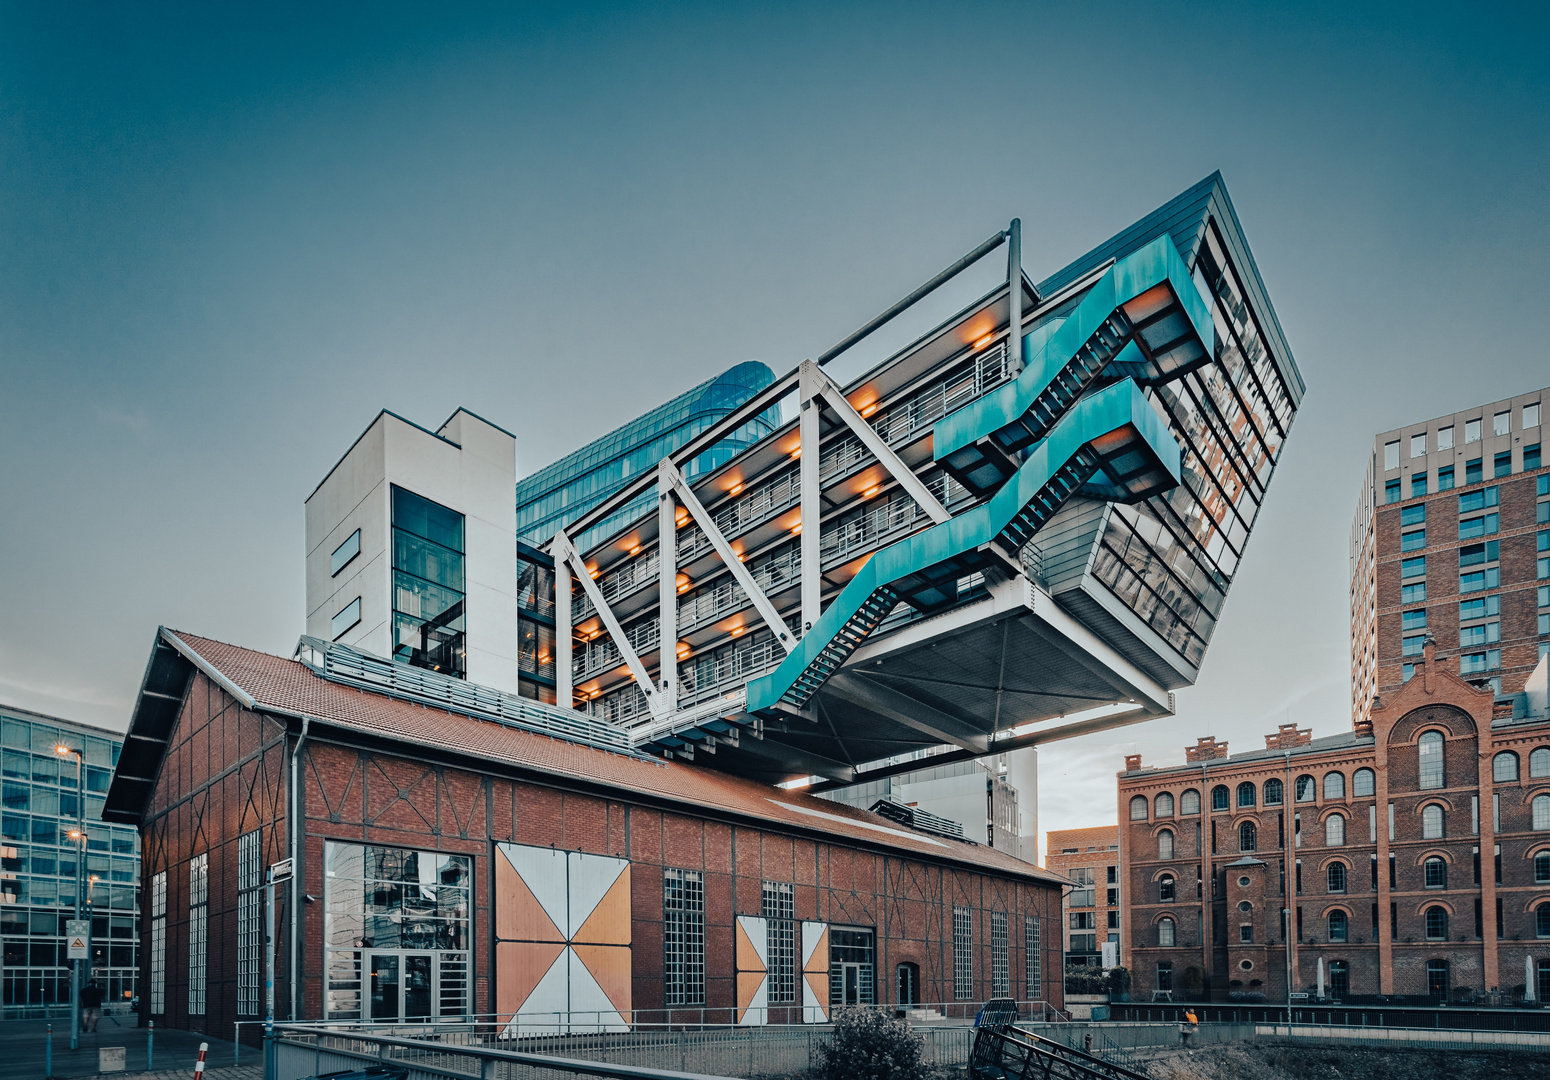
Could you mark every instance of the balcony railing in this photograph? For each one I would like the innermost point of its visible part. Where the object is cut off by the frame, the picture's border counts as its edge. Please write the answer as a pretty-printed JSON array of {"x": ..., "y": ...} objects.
[
  {"x": 771, "y": 576},
  {"x": 604, "y": 652}
]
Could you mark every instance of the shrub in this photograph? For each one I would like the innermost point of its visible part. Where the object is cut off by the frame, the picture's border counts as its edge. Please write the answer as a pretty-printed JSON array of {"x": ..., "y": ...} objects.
[
  {"x": 1119, "y": 981},
  {"x": 868, "y": 1044}
]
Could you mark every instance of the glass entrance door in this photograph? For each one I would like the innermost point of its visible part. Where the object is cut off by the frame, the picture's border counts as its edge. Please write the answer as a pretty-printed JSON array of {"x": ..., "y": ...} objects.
[
  {"x": 403, "y": 986},
  {"x": 908, "y": 984},
  {"x": 850, "y": 980},
  {"x": 386, "y": 988}
]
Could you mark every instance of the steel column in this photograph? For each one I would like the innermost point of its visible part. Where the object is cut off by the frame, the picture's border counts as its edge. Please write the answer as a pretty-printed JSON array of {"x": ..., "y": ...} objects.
[
  {"x": 621, "y": 641},
  {"x": 667, "y": 589},
  {"x": 812, "y": 501},
  {"x": 564, "y": 693},
  {"x": 1014, "y": 277}
]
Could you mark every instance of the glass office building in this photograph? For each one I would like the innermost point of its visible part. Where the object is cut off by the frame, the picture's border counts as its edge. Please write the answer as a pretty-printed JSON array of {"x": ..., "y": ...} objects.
[
  {"x": 38, "y": 860},
  {"x": 428, "y": 584},
  {"x": 560, "y": 493}
]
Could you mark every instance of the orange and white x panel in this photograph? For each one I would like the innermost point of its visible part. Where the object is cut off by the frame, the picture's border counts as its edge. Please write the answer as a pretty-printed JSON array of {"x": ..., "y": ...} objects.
[
  {"x": 562, "y": 930},
  {"x": 815, "y": 973},
  {"x": 753, "y": 970}
]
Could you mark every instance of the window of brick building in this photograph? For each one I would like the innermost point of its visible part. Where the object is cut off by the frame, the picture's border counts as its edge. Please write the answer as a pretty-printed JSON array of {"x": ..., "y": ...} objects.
[
  {"x": 1189, "y": 802},
  {"x": 1334, "y": 785},
  {"x": 1436, "y": 924},
  {"x": 1542, "y": 868},
  {"x": 1246, "y": 794},
  {"x": 1335, "y": 878},
  {"x": 1539, "y": 762},
  {"x": 1436, "y": 873},
  {"x": 1138, "y": 808},
  {"x": 1165, "y": 844},
  {"x": 1273, "y": 792},
  {"x": 1306, "y": 789},
  {"x": 1165, "y": 934},
  {"x": 683, "y": 936},
  {"x": 963, "y": 954},
  {"x": 1429, "y": 750},
  {"x": 1337, "y": 926},
  {"x": 1164, "y": 805},
  {"x": 1504, "y": 767},
  {"x": 1334, "y": 830},
  {"x": 1221, "y": 798},
  {"x": 1165, "y": 889},
  {"x": 1431, "y": 822},
  {"x": 1540, "y": 809},
  {"x": 1247, "y": 837},
  {"x": 1542, "y": 921},
  {"x": 778, "y": 906},
  {"x": 1364, "y": 783}
]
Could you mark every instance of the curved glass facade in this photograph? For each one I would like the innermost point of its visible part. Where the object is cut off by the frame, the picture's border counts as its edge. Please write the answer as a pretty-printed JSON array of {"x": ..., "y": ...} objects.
[{"x": 560, "y": 493}]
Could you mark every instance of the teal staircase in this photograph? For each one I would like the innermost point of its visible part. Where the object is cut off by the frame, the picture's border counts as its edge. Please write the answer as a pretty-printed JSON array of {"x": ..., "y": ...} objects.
[
  {"x": 1144, "y": 319},
  {"x": 1111, "y": 443}
]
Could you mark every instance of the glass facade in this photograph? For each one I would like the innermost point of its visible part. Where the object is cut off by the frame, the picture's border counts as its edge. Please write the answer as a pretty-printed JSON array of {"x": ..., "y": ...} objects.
[
  {"x": 852, "y": 966},
  {"x": 397, "y": 933},
  {"x": 1172, "y": 558},
  {"x": 428, "y": 585},
  {"x": 38, "y": 787},
  {"x": 556, "y": 495},
  {"x": 535, "y": 624}
]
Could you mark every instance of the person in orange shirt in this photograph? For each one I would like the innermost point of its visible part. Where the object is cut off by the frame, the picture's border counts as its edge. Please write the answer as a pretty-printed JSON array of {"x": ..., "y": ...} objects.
[{"x": 1190, "y": 1026}]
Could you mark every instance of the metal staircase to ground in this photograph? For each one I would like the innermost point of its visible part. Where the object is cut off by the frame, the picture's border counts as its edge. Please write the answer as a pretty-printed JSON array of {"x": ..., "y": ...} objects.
[{"x": 1008, "y": 1053}]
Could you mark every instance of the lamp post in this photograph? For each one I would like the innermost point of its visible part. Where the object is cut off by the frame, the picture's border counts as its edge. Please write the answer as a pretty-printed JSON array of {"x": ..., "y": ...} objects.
[{"x": 80, "y": 877}]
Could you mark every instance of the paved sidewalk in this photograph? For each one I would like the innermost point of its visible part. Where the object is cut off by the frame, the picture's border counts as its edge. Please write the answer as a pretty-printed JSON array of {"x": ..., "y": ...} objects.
[{"x": 22, "y": 1049}]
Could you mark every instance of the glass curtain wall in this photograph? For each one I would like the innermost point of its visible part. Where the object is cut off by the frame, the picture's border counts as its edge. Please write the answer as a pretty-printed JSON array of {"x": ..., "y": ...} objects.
[
  {"x": 397, "y": 933},
  {"x": 428, "y": 585},
  {"x": 39, "y": 797},
  {"x": 1171, "y": 558}
]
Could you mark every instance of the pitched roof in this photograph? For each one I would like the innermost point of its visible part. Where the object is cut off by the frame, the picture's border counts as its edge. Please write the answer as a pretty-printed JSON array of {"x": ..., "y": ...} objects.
[{"x": 273, "y": 684}]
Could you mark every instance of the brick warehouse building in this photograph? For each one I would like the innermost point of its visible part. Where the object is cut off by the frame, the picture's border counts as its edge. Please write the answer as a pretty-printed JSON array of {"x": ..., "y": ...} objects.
[
  {"x": 1377, "y": 837},
  {"x": 452, "y": 863}
]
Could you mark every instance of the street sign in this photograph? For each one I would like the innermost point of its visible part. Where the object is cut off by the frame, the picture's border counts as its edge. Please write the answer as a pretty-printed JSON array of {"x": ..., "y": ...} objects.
[
  {"x": 76, "y": 932},
  {"x": 280, "y": 871}
]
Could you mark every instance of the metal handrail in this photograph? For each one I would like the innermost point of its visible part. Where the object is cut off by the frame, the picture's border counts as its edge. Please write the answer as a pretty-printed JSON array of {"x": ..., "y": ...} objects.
[{"x": 297, "y": 1035}]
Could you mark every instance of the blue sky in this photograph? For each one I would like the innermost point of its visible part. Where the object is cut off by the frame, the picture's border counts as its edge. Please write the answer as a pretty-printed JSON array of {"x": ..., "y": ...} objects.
[{"x": 230, "y": 234}]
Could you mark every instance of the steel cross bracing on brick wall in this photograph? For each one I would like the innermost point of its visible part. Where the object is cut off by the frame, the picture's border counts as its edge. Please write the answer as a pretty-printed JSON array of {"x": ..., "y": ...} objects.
[{"x": 939, "y": 529}]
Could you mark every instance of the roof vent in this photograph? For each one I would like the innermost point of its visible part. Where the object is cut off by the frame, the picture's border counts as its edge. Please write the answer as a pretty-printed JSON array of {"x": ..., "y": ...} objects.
[{"x": 913, "y": 817}]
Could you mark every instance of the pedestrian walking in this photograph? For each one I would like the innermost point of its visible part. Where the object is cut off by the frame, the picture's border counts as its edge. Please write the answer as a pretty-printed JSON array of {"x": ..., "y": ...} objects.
[
  {"x": 91, "y": 1006},
  {"x": 1190, "y": 1026}
]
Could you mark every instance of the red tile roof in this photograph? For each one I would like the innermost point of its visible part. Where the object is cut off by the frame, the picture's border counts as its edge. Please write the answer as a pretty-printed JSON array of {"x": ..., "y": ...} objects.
[{"x": 290, "y": 687}]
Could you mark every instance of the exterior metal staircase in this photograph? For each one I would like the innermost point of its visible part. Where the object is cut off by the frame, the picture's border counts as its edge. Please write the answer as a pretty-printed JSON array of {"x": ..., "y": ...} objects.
[
  {"x": 1144, "y": 320},
  {"x": 1111, "y": 440},
  {"x": 1008, "y": 1053}
]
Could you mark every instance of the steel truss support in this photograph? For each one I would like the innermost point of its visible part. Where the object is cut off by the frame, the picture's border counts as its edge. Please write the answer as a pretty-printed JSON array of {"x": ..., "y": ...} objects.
[
  {"x": 809, "y": 381},
  {"x": 564, "y": 550},
  {"x": 740, "y": 572},
  {"x": 836, "y": 400},
  {"x": 1014, "y": 279}
]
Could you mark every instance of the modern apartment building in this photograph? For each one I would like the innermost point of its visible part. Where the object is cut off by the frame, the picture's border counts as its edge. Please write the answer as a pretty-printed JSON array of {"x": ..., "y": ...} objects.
[
  {"x": 1451, "y": 541},
  {"x": 1412, "y": 856},
  {"x": 38, "y": 864},
  {"x": 1090, "y": 858}
]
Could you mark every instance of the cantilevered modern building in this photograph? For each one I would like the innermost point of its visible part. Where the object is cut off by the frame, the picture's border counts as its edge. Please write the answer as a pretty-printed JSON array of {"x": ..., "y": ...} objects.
[{"x": 988, "y": 530}]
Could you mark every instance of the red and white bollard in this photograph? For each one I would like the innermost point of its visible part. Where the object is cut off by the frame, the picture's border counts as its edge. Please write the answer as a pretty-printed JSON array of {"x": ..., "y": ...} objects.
[{"x": 199, "y": 1066}]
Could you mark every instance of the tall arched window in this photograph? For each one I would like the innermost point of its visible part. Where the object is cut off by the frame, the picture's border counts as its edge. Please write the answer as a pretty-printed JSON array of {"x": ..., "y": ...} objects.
[
  {"x": 1504, "y": 767},
  {"x": 1305, "y": 789},
  {"x": 1162, "y": 806},
  {"x": 1165, "y": 844},
  {"x": 1539, "y": 762},
  {"x": 1541, "y": 811},
  {"x": 1189, "y": 802},
  {"x": 1542, "y": 921},
  {"x": 1247, "y": 839},
  {"x": 1542, "y": 868},
  {"x": 1334, "y": 785},
  {"x": 1334, "y": 877},
  {"x": 1165, "y": 933},
  {"x": 1165, "y": 889},
  {"x": 1364, "y": 783},
  {"x": 1246, "y": 794},
  {"x": 1431, "y": 820},
  {"x": 1334, "y": 830},
  {"x": 1436, "y": 924},
  {"x": 1273, "y": 788},
  {"x": 1221, "y": 798},
  {"x": 1435, "y": 873},
  {"x": 1138, "y": 808},
  {"x": 1429, "y": 750},
  {"x": 1337, "y": 926}
]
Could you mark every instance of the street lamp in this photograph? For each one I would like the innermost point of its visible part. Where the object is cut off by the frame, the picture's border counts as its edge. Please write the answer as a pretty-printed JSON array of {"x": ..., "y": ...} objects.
[{"x": 79, "y": 836}]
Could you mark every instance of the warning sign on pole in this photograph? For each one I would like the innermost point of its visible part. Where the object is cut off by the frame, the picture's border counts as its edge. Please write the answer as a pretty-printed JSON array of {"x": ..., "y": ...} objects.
[{"x": 76, "y": 931}]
